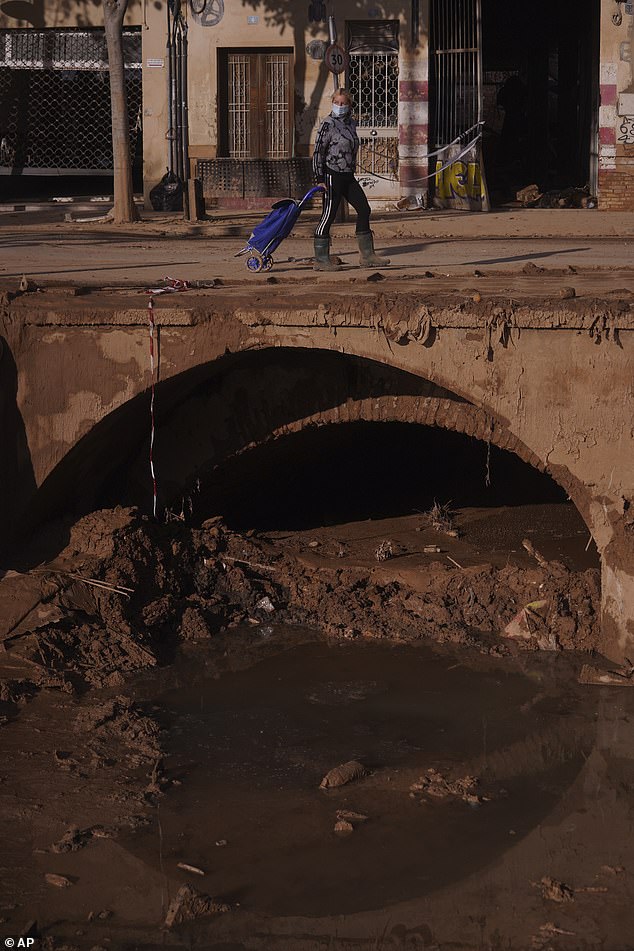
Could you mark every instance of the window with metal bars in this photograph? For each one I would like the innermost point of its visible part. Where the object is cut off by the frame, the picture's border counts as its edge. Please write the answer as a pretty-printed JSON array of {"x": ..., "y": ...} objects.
[{"x": 256, "y": 104}]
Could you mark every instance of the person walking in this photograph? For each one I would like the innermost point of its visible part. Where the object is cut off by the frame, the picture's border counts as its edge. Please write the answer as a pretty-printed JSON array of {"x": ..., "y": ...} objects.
[{"x": 334, "y": 164}]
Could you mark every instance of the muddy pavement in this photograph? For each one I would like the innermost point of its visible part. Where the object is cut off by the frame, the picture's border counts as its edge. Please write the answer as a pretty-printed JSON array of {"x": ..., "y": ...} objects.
[{"x": 175, "y": 694}]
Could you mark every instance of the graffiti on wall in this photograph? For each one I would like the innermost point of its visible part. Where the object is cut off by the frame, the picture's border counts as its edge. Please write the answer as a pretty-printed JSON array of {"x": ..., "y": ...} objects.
[
  {"x": 461, "y": 184},
  {"x": 460, "y": 180},
  {"x": 626, "y": 130}
]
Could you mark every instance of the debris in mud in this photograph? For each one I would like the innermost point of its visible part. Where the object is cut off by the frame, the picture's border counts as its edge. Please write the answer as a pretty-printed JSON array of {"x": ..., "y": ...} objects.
[
  {"x": 385, "y": 551},
  {"x": 188, "y": 904},
  {"x": 554, "y": 890},
  {"x": 531, "y": 624},
  {"x": 620, "y": 677},
  {"x": 612, "y": 869},
  {"x": 158, "y": 780},
  {"x": 193, "y": 626},
  {"x": 192, "y": 583},
  {"x": 72, "y": 840},
  {"x": 343, "y": 827},
  {"x": 59, "y": 881},
  {"x": 99, "y": 915},
  {"x": 439, "y": 787},
  {"x": 532, "y": 551},
  {"x": 120, "y": 718},
  {"x": 573, "y": 197},
  {"x": 265, "y": 604},
  {"x": 546, "y": 932},
  {"x": 441, "y": 517},
  {"x": 348, "y": 815},
  {"x": 567, "y": 293},
  {"x": 186, "y": 867},
  {"x": 341, "y": 775},
  {"x": 531, "y": 268},
  {"x": 530, "y": 193}
]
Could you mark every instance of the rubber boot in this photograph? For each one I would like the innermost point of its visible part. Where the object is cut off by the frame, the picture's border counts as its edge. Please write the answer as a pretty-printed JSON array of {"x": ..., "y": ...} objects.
[
  {"x": 367, "y": 257},
  {"x": 323, "y": 261}
]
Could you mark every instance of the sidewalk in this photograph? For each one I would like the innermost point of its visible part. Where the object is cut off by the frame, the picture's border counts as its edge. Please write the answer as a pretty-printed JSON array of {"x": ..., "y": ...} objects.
[
  {"x": 596, "y": 247},
  {"x": 510, "y": 222}
]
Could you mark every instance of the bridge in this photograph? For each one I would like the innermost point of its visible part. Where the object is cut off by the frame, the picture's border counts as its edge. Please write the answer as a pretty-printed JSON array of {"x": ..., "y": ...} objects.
[{"x": 547, "y": 378}]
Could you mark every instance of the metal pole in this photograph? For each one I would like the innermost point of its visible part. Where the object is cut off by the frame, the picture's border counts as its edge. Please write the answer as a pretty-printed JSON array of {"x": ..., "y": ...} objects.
[
  {"x": 486, "y": 206},
  {"x": 185, "y": 121},
  {"x": 179, "y": 101},
  {"x": 332, "y": 38},
  {"x": 173, "y": 97},
  {"x": 170, "y": 110}
]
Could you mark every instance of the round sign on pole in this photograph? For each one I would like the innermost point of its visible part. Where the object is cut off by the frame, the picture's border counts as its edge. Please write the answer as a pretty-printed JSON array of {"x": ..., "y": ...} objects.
[{"x": 336, "y": 59}]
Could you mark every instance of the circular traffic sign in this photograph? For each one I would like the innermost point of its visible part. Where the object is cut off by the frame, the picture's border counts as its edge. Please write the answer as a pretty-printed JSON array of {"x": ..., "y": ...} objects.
[{"x": 336, "y": 59}]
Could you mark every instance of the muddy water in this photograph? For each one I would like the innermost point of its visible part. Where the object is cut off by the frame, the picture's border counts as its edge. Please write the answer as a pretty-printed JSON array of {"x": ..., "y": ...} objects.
[{"x": 249, "y": 748}]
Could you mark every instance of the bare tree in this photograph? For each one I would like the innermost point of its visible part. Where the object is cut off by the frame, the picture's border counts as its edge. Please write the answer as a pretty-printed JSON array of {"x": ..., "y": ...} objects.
[{"x": 124, "y": 210}]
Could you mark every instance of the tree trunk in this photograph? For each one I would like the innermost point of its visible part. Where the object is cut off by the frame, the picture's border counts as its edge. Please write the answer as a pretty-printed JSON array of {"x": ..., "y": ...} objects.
[{"x": 124, "y": 210}]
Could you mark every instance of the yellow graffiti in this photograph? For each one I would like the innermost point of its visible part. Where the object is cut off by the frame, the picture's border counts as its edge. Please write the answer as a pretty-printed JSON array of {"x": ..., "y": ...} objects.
[{"x": 459, "y": 180}]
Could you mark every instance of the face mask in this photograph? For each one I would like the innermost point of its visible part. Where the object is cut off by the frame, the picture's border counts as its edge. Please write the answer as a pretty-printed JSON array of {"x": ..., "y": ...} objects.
[{"x": 340, "y": 111}]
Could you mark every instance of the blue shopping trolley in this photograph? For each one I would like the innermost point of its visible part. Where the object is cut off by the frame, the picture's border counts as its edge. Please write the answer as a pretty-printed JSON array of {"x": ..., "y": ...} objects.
[{"x": 269, "y": 234}]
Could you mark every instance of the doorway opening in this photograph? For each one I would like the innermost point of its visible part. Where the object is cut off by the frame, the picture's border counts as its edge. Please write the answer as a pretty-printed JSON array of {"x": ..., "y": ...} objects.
[
  {"x": 531, "y": 73},
  {"x": 540, "y": 95}
]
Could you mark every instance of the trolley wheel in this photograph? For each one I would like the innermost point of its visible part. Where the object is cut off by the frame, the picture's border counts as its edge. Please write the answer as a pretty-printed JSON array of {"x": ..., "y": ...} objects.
[
  {"x": 255, "y": 262},
  {"x": 268, "y": 263}
]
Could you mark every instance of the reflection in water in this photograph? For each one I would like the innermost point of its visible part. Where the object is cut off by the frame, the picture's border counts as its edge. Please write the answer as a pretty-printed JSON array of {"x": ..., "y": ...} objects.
[{"x": 252, "y": 745}]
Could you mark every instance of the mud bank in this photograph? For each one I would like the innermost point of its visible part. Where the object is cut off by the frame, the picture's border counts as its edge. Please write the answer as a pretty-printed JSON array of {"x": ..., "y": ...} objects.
[{"x": 127, "y": 591}]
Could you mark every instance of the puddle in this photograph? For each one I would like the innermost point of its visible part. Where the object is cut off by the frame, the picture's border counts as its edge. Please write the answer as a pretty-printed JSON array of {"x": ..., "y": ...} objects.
[{"x": 250, "y": 748}]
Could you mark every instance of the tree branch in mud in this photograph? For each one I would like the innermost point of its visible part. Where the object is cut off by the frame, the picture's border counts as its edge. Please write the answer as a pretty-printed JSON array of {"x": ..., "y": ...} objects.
[{"x": 124, "y": 210}]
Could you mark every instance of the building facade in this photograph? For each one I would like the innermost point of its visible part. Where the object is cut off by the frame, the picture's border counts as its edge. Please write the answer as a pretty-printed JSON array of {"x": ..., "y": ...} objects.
[{"x": 551, "y": 84}]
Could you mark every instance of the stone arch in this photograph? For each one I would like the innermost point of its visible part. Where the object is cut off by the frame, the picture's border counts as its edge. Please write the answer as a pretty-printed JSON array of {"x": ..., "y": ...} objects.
[
  {"x": 246, "y": 399},
  {"x": 244, "y": 384}
]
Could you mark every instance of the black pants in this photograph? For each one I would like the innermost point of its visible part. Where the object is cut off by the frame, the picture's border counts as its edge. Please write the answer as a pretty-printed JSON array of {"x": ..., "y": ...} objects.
[{"x": 343, "y": 185}]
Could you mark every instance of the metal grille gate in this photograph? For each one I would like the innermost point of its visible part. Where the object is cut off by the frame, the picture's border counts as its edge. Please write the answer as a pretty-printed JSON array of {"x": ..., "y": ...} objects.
[
  {"x": 55, "y": 100},
  {"x": 373, "y": 84},
  {"x": 456, "y": 68},
  {"x": 456, "y": 101}
]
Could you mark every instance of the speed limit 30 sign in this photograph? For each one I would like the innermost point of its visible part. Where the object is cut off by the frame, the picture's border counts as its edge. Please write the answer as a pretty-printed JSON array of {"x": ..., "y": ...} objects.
[{"x": 336, "y": 59}]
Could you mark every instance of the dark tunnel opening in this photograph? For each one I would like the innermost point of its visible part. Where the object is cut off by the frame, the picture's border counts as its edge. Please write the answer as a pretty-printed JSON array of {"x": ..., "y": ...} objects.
[{"x": 356, "y": 471}]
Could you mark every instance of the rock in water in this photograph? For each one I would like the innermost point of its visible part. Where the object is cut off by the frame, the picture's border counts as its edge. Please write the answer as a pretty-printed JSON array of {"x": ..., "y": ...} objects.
[
  {"x": 188, "y": 903},
  {"x": 346, "y": 773}
]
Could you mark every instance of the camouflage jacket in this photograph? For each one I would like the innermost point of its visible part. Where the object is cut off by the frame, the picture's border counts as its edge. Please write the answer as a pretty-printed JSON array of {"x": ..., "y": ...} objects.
[{"x": 336, "y": 146}]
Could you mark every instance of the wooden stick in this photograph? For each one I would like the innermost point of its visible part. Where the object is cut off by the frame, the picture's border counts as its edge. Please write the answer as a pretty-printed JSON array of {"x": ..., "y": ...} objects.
[
  {"x": 250, "y": 564},
  {"x": 453, "y": 561}
]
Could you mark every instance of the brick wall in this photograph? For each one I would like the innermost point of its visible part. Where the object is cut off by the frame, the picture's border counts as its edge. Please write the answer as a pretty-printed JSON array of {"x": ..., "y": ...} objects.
[{"x": 616, "y": 185}]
